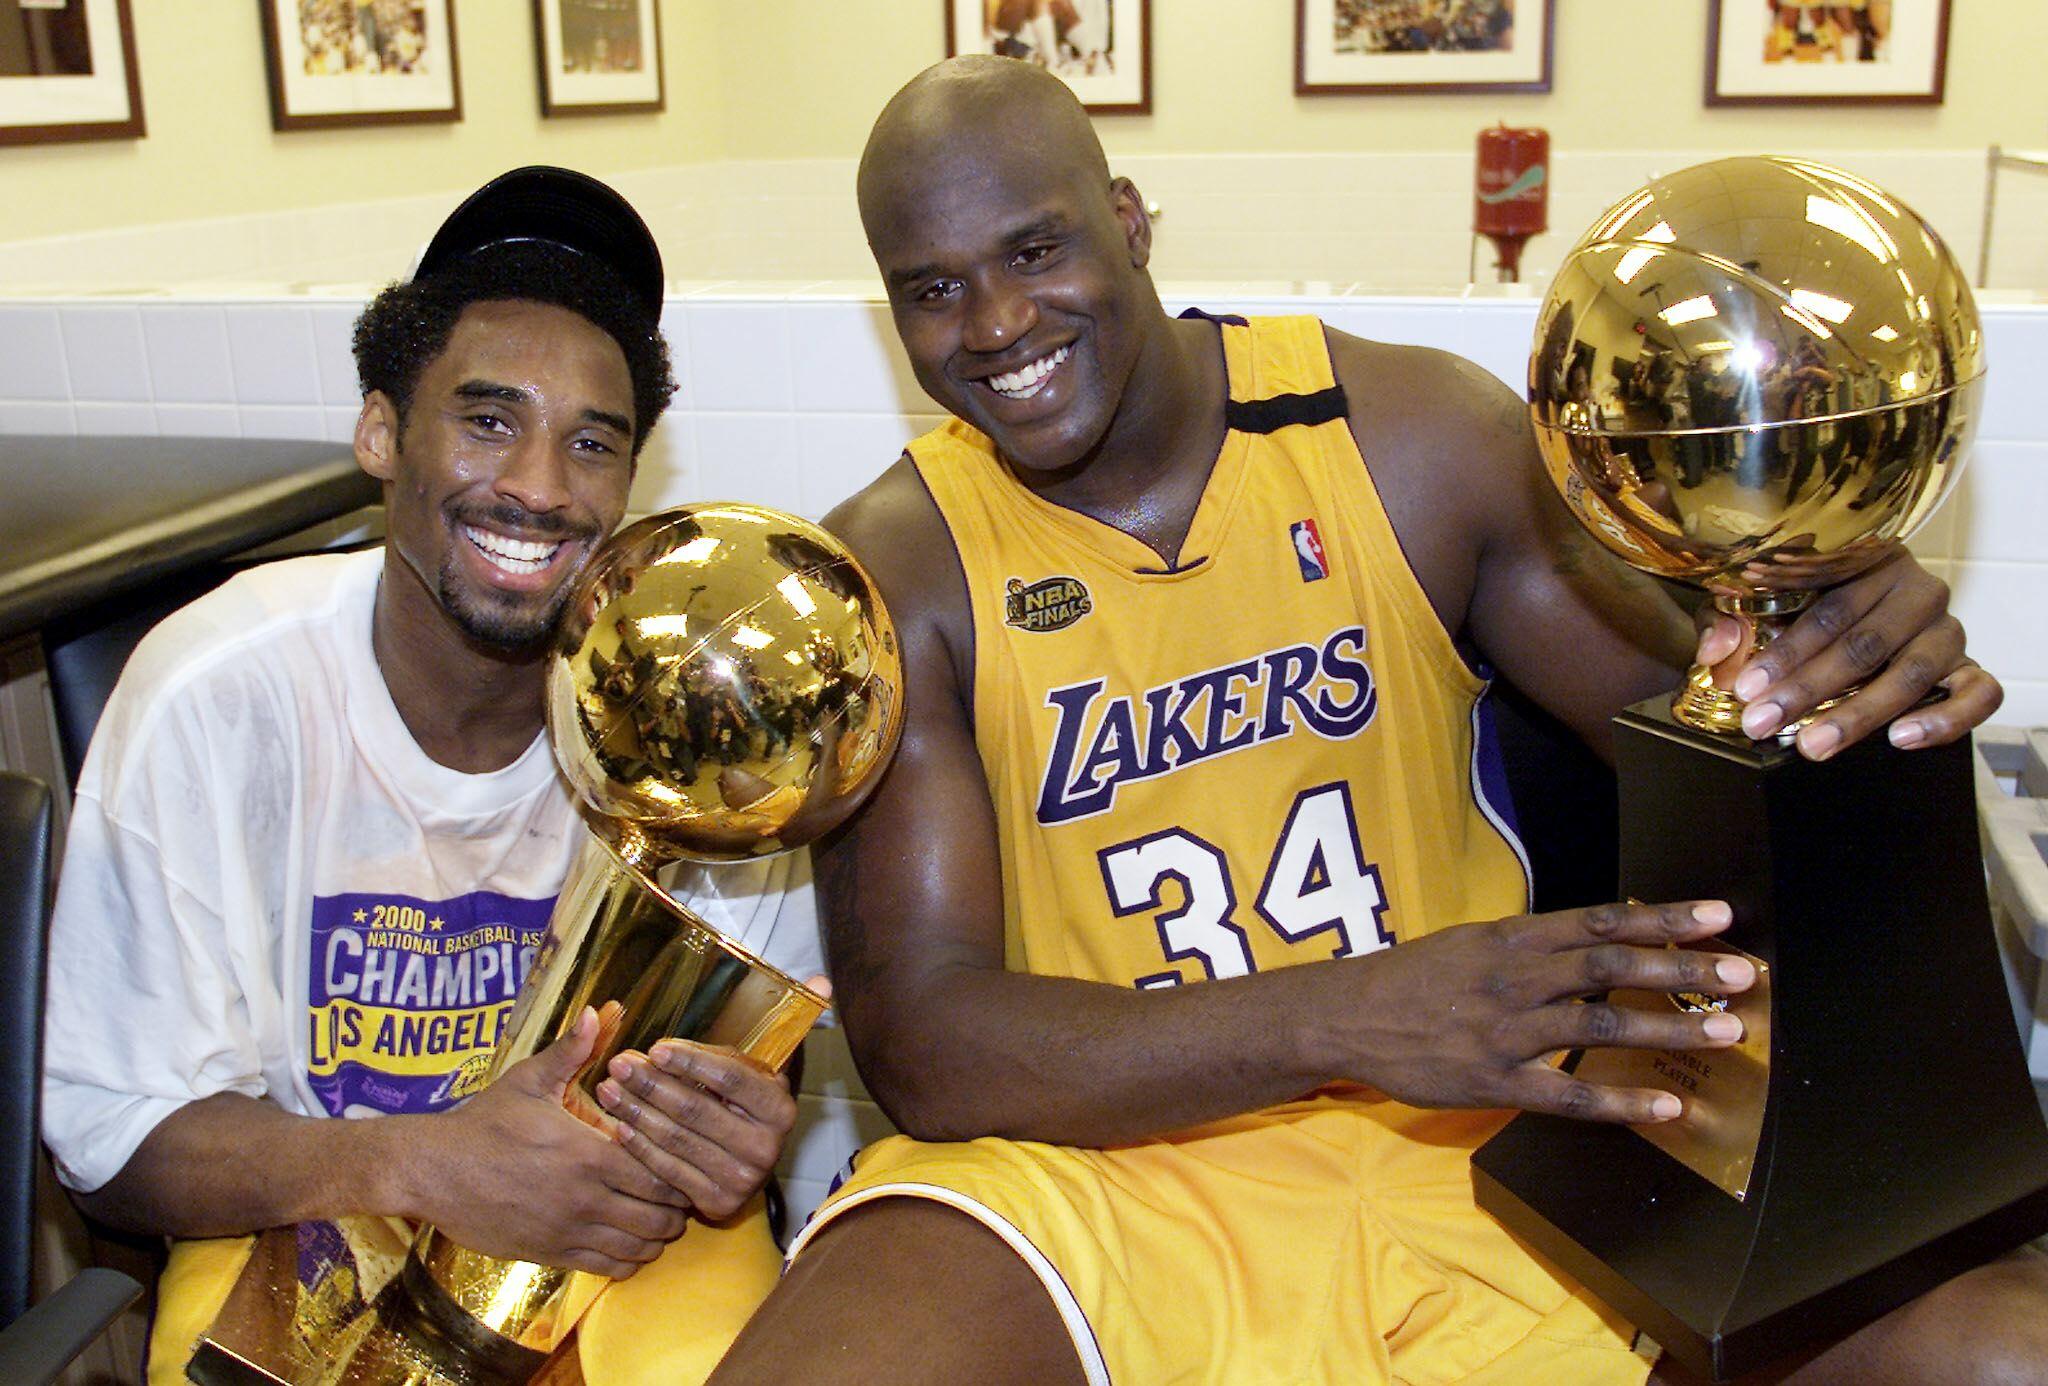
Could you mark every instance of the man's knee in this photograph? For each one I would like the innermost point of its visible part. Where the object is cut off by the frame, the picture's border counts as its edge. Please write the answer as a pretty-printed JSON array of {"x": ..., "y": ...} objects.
[
  {"x": 907, "y": 1290},
  {"x": 1986, "y": 1328}
]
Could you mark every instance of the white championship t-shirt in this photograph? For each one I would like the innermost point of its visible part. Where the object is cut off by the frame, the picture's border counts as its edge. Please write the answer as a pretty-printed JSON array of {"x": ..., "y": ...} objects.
[{"x": 270, "y": 889}]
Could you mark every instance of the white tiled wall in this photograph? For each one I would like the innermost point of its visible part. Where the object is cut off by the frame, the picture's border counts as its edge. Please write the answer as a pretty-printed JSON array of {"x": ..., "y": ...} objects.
[
  {"x": 1390, "y": 222},
  {"x": 797, "y": 397}
]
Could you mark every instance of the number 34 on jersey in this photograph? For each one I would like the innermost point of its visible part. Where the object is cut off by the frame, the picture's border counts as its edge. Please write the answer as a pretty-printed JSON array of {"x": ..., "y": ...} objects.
[{"x": 1317, "y": 882}]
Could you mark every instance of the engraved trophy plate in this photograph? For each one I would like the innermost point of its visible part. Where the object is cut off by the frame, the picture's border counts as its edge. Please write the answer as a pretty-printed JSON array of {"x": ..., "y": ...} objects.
[{"x": 1724, "y": 1090}]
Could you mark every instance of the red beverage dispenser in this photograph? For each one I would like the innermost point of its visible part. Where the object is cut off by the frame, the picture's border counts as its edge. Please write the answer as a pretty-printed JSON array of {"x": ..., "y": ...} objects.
[{"x": 1511, "y": 192}]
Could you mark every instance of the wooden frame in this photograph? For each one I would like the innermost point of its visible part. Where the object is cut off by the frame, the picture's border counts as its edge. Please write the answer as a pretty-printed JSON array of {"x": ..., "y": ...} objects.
[
  {"x": 1506, "y": 48},
  {"x": 104, "y": 102},
  {"x": 301, "y": 37},
  {"x": 570, "y": 88},
  {"x": 1754, "y": 60},
  {"x": 1113, "y": 76}
]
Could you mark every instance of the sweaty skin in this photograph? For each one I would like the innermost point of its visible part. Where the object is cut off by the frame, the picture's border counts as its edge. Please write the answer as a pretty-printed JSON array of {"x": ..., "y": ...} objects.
[{"x": 1016, "y": 273}]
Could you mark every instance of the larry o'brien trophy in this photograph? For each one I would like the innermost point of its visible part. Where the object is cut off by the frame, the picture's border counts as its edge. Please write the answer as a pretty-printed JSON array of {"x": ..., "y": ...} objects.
[
  {"x": 1758, "y": 376},
  {"x": 725, "y": 684}
]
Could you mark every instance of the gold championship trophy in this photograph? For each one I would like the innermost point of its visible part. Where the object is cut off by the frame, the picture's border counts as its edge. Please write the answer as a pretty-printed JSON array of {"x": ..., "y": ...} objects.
[
  {"x": 1758, "y": 376},
  {"x": 725, "y": 684}
]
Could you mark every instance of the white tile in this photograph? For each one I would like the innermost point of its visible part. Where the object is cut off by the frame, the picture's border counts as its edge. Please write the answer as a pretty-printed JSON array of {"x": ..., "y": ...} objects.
[
  {"x": 2006, "y": 514},
  {"x": 739, "y": 358},
  {"x": 103, "y": 352},
  {"x": 340, "y": 426},
  {"x": 32, "y": 355},
  {"x": 109, "y": 419},
  {"x": 667, "y": 474},
  {"x": 841, "y": 453},
  {"x": 198, "y": 421},
  {"x": 188, "y": 353},
  {"x": 2025, "y": 705},
  {"x": 35, "y": 416},
  {"x": 1498, "y": 336},
  {"x": 305, "y": 421},
  {"x": 271, "y": 348},
  {"x": 2016, "y": 361},
  {"x": 2004, "y": 607},
  {"x": 675, "y": 331},
  {"x": 333, "y": 360},
  {"x": 845, "y": 358},
  {"x": 748, "y": 457}
]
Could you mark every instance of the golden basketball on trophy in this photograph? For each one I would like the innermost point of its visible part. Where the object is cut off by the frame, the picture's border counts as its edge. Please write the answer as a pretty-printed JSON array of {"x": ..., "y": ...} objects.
[
  {"x": 725, "y": 684},
  {"x": 1758, "y": 376},
  {"x": 1755, "y": 375}
]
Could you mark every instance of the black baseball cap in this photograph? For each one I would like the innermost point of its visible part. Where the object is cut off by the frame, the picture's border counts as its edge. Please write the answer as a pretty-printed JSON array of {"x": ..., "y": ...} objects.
[{"x": 559, "y": 206}]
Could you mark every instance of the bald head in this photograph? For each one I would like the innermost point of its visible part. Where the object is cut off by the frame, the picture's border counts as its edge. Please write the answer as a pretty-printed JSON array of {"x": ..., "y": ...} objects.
[{"x": 971, "y": 109}]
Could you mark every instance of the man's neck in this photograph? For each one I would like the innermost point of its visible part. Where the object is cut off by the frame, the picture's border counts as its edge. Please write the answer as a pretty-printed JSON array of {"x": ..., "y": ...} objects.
[
  {"x": 1147, "y": 474},
  {"x": 470, "y": 708}
]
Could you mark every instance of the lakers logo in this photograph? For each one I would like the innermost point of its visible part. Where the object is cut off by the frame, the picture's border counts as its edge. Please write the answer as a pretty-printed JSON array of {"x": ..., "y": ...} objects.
[{"x": 1049, "y": 604}]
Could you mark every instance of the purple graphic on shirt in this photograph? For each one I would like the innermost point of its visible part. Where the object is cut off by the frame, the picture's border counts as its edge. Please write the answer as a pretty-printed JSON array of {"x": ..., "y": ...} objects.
[{"x": 407, "y": 996}]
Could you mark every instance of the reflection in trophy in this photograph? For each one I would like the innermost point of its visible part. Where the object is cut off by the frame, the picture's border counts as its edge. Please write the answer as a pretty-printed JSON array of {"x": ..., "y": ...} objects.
[
  {"x": 725, "y": 684},
  {"x": 1758, "y": 376}
]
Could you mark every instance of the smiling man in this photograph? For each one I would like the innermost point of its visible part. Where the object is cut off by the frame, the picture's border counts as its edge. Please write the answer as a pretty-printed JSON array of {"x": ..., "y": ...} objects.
[
  {"x": 320, "y": 831},
  {"x": 1183, "y": 941}
]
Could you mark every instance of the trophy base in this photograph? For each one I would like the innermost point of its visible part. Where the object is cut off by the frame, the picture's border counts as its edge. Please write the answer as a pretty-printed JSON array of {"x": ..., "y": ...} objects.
[{"x": 1898, "y": 1141}]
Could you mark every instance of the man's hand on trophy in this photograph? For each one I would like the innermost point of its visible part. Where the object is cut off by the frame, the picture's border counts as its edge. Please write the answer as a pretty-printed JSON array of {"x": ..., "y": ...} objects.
[
  {"x": 1472, "y": 1016},
  {"x": 707, "y": 1121},
  {"x": 1890, "y": 626},
  {"x": 479, "y": 1167}
]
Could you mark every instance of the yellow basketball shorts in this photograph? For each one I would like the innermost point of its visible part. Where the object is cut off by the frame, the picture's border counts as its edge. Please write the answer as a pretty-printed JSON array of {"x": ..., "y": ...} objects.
[
  {"x": 670, "y": 1323},
  {"x": 1329, "y": 1240}
]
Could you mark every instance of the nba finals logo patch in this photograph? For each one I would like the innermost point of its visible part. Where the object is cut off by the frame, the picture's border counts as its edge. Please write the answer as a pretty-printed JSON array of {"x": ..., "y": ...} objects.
[
  {"x": 1049, "y": 604},
  {"x": 1308, "y": 550}
]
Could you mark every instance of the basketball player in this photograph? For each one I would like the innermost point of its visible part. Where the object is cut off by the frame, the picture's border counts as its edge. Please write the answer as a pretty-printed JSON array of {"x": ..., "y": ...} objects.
[
  {"x": 319, "y": 833},
  {"x": 1152, "y": 940}
]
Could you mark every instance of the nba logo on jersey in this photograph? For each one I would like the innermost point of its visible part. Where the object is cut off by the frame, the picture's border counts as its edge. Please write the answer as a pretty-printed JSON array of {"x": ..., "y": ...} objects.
[{"x": 1308, "y": 550}]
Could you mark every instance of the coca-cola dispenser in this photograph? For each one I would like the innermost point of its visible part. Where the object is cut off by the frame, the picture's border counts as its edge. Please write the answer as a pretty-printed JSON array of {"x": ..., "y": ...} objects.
[{"x": 1511, "y": 193}]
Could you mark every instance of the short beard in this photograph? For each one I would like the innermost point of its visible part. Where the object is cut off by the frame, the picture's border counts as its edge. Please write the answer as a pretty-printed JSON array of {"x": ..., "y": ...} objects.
[{"x": 509, "y": 628}]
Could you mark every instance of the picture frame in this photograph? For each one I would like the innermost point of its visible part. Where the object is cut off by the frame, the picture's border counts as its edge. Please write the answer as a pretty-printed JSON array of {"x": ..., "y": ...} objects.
[
  {"x": 69, "y": 72},
  {"x": 335, "y": 63},
  {"x": 1878, "y": 52},
  {"x": 1402, "y": 48},
  {"x": 1100, "y": 48},
  {"x": 599, "y": 58}
]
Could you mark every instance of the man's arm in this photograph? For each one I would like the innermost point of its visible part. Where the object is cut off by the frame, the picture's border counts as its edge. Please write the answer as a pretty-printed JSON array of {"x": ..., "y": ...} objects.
[
  {"x": 230, "y": 1163},
  {"x": 955, "y": 1046}
]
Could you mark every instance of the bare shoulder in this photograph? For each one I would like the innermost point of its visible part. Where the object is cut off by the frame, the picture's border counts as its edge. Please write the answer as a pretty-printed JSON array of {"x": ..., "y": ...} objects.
[
  {"x": 1450, "y": 452},
  {"x": 896, "y": 531},
  {"x": 1418, "y": 404}
]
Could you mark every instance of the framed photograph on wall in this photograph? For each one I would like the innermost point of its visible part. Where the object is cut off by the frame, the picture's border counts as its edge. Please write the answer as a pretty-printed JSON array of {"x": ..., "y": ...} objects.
[
  {"x": 598, "y": 57},
  {"x": 1772, "y": 53},
  {"x": 67, "y": 72},
  {"x": 1409, "y": 47},
  {"x": 360, "y": 62},
  {"x": 1100, "y": 48}
]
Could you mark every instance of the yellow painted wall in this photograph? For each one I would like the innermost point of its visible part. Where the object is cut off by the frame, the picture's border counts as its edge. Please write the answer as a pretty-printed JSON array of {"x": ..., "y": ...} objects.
[
  {"x": 1629, "y": 74},
  {"x": 210, "y": 150},
  {"x": 775, "y": 79}
]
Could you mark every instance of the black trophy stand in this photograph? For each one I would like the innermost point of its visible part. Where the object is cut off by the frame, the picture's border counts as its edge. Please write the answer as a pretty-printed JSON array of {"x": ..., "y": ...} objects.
[{"x": 1901, "y": 1143}]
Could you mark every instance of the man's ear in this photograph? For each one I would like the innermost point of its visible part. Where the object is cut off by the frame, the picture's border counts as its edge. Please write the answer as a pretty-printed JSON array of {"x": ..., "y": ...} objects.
[
  {"x": 1129, "y": 205},
  {"x": 377, "y": 436}
]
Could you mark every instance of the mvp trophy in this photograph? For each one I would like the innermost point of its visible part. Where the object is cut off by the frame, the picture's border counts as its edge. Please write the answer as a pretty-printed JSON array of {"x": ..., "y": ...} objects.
[
  {"x": 725, "y": 684},
  {"x": 1758, "y": 376}
]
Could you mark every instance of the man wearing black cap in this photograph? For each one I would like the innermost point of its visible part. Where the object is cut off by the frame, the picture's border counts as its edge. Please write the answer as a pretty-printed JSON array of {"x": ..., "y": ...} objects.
[{"x": 319, "y": 835}]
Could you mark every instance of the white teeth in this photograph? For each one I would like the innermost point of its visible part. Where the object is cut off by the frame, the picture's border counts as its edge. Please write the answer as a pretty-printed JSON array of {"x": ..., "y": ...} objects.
[
  {"x": 513, "y": 555},
  {"x": 1027, "y": 380}
]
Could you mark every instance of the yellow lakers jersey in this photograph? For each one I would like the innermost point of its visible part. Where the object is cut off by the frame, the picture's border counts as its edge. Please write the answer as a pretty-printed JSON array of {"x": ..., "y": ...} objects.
[{"x": 1267, "y": 752}]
